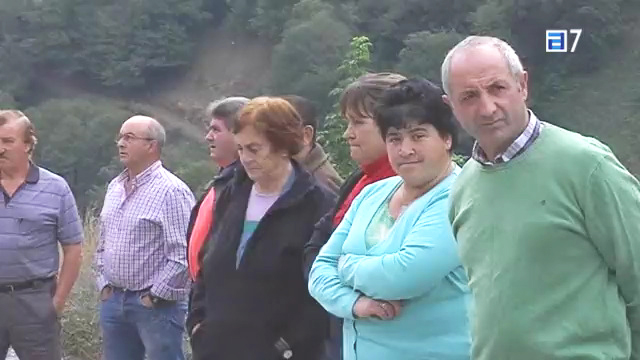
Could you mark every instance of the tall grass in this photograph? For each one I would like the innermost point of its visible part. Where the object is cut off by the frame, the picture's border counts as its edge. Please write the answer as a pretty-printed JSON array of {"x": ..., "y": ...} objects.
[{"x": 81, "y": 337}]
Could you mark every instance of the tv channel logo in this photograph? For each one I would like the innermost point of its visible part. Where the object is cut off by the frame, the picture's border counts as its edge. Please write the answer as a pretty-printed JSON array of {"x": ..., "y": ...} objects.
[{"x": 556, "y": 40}]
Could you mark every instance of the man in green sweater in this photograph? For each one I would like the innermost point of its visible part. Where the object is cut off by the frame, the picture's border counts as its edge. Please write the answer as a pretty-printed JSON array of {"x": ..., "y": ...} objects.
[{"x": 548, "y": 222}]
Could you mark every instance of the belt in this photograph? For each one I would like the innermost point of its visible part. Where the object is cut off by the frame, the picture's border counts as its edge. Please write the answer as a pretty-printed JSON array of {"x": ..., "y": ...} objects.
[
  {"x": 30, "y": 284},
  {"x": 146, "y": 291},
  {"x": 125, "y": 290}
]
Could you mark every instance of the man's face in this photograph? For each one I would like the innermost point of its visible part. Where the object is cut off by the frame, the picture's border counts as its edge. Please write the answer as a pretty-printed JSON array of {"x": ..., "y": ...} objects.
[
  {"x": 135, "y": 147},
  {"x": 222, "y": 146},
  {"x": 14, "y": 150},
  {"x": 488, "y": 101}
]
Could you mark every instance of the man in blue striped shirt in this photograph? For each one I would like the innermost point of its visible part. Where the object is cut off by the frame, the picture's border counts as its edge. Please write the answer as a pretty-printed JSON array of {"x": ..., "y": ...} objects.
[
  {"x": 37, "y": 212},
  {"x": 141, "y": 258}
]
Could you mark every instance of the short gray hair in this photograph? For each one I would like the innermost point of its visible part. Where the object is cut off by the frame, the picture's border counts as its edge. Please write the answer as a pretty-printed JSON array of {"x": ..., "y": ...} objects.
[
  {"x": 226, "y": 109},
  {"x": 157, "y": 133},
  {"x": 513, "y": 61}
]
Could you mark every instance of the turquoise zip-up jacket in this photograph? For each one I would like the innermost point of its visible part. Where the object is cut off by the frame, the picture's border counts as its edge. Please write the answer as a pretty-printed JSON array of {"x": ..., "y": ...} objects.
[{"x": 417, "y": 263}]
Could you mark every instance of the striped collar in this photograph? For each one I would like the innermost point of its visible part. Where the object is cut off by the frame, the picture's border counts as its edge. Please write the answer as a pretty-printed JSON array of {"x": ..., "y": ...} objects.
[{"x": 519, "y": 145}]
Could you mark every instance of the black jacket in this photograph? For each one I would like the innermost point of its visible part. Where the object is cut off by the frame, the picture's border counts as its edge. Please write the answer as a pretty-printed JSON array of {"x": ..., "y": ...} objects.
[
  {"x": 244, "y": 312},
  {"x": 323, "y": 230},
  {"x": 218, "y": 183}
]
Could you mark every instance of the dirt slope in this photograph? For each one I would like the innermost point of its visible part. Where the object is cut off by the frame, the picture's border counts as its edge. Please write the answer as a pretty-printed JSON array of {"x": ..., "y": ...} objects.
[{"x": 225, "y": 64}]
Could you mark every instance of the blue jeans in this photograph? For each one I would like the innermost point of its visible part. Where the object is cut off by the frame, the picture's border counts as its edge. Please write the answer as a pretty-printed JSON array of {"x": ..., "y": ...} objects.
[{"x": 130, "y": 329}]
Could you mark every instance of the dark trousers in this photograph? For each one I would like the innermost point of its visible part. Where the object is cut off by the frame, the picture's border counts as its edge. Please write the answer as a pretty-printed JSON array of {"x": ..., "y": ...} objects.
[
  {"x": 333, "y": 345},
  {"x": 29, "y": 323}
]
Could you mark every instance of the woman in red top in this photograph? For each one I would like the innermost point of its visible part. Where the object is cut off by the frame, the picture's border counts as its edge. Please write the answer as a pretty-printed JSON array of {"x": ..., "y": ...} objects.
[{"x": 368, "y": 149}]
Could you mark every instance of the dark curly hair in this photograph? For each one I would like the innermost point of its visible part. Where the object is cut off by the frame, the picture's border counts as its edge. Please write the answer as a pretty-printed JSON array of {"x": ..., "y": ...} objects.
[{"x": 415, "y": 101}]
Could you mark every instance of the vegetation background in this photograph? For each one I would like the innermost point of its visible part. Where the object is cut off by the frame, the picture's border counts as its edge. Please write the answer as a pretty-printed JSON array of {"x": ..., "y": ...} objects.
[{"x": 81, "y": 67}]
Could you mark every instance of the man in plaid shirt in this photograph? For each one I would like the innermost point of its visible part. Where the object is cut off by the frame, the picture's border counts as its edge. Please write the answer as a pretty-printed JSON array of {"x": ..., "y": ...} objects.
[{"x": 141, "y": 256}]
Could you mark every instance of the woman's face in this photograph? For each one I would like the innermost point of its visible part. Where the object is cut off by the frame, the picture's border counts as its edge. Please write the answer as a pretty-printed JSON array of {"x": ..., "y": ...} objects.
[
  {"x": 418, "y": 153},
  {"x": 366, "y": 144},
  {"x": 258, "y": 157}
]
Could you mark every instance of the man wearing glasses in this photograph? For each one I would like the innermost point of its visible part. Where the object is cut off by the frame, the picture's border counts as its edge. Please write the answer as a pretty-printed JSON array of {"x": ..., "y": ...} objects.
[{"x": 141, "y": 255}]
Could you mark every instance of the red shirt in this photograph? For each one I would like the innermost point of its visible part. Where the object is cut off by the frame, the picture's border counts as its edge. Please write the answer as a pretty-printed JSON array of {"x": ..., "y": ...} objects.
[
  {"x": 200, "y": 231},
  {"x": 377, "y": 170}
]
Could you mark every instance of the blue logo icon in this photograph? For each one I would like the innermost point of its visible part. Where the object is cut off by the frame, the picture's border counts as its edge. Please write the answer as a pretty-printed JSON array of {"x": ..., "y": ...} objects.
[{"x": 556, "y": 40}]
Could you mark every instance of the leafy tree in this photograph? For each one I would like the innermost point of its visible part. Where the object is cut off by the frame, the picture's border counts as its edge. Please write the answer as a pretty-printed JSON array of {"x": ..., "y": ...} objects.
[
  {"x": 120, "y": 43},
  {"x": 15, "y": 61},
  {"x": 600, "y": 20},
  {"x": 490, "y": 18},
  {"x": 76, "y": 139},
  {"x": 190, "y": 161},
  {"x": 424, "y": 52},
  {"x": 306, "y": 10},
  {"x": 270, "y": 17},
  {"x": 304, "y": 62},
  {"x": 354, "y": 65},
  {"x": 389, "y": 22},
  {"x": 6, "y": 100},
  {"x": 460, "y": 159},
  {"x": 241, "y": 12}
]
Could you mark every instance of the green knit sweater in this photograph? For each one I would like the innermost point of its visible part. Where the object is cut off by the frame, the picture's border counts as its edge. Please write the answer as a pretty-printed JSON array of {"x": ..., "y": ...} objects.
[{"x": 551, "y": 244}]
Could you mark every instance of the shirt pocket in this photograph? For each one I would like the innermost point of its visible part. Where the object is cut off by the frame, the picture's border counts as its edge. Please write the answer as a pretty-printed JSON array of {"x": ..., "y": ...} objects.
[{"x": 37, "y": 229}]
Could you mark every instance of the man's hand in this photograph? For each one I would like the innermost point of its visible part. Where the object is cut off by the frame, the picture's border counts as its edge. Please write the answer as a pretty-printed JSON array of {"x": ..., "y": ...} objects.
[
  {"x": 147, "y": 301},
  {"x": 106, "y": 292},
  {"x": 385, "y": 310},
  {"x": 58, "y": 304}
]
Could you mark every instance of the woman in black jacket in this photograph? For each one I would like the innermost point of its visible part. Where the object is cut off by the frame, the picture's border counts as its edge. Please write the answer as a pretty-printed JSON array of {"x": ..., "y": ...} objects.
[{"x": 250, "y": 299}]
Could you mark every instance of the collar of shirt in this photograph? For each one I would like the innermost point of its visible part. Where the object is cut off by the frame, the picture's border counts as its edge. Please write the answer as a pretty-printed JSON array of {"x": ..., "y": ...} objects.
[
  {"x": 519, "y": 145},
  {"x": 33, "y": 174},
  {"x": 141, "y": 178}
]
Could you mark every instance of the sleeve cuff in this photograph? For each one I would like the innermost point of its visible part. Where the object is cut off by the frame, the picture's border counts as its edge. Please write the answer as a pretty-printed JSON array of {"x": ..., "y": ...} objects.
[
  {"x": 168, "y": 293},
  {"x": 101, "y": 282},
  {"x": 76, "y": 240},
  {"x": 346, "y": 306}
]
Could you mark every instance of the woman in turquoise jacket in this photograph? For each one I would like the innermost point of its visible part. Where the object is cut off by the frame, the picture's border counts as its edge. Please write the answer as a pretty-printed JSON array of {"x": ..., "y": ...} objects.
[{"x": 391, "y": 268}]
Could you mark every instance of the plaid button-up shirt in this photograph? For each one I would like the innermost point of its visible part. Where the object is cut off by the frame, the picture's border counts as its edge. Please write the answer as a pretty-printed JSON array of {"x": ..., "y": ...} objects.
[
  {"x": 142, "y": 241},
  {"x": 519, "y": 145}
]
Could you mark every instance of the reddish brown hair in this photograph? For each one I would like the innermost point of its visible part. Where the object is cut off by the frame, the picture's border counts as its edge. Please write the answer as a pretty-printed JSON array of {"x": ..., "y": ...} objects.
[
  {"x": 276, "y": 119},
  {"x": 7, "y": 116}
]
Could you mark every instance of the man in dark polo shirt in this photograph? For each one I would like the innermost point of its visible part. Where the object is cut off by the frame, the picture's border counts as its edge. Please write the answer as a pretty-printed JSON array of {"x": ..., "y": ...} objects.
[{"x": 37, "y": 212}]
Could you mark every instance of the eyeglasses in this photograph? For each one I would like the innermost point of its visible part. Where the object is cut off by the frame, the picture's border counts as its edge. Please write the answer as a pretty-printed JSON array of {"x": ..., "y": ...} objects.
[{"x": 129, "y": 137}]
